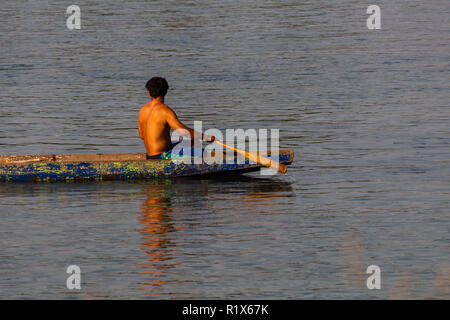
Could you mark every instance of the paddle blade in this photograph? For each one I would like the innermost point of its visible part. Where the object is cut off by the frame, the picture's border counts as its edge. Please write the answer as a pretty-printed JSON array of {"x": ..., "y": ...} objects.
[{"x": 279, "y": 167}]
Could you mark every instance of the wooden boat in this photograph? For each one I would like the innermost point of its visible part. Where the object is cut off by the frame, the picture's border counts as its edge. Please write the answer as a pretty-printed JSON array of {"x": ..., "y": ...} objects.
[{"x": 125, "y": 166}]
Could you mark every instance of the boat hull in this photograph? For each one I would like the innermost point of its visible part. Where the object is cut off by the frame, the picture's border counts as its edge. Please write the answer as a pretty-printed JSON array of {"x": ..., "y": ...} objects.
[{"x": 96, "y": 167}]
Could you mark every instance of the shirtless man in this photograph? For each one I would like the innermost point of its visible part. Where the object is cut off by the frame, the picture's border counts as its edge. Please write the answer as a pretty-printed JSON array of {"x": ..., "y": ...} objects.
[{"x": 156, "y": 119}]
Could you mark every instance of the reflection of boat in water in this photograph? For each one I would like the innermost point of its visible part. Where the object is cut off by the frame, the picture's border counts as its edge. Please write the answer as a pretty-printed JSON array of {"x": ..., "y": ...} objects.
[
  {"x": 175, "y": 210},
  {"x": 127, "y": 166}
]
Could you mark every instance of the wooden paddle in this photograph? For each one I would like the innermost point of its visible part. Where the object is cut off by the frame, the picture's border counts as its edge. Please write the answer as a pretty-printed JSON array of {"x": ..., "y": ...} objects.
[{"x": 266, "y": 162}]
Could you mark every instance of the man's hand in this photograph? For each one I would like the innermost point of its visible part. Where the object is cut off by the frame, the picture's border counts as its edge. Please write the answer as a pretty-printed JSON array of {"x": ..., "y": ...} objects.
[{"x": 209, "y": 138}]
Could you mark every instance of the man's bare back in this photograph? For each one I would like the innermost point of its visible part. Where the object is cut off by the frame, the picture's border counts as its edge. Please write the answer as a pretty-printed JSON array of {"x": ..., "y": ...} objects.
[{"x": 156, "y": 119}]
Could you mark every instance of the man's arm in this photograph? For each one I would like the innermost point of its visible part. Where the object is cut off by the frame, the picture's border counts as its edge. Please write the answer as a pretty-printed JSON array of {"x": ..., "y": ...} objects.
[
  {"x": 141, "y": 132},
  {"x": 178, "y": 126}
]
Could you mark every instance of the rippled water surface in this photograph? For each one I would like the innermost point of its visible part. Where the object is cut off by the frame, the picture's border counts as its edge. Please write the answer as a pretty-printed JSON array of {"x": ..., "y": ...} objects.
[{"x": 366, "y": 112}]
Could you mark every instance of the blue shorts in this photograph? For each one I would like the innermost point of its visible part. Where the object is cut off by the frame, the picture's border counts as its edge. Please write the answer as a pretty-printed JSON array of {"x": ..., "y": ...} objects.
[{"x": 183, "y": 152}]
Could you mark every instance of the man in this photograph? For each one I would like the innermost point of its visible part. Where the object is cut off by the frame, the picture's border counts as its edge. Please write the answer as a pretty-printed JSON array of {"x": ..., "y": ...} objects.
[{"x": 156, "y": 119}]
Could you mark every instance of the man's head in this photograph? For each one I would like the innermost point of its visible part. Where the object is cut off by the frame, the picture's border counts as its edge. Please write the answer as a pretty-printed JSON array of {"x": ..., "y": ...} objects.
[{"x": 157, "y": 87}]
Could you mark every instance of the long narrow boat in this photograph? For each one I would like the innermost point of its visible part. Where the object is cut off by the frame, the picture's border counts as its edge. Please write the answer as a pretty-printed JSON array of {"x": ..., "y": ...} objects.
[{"x": 125, "y": 166}]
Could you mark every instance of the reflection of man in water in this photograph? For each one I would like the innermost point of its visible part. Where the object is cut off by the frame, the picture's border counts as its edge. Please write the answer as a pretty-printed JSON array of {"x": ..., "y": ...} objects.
[{"x": 156, "y": 229}]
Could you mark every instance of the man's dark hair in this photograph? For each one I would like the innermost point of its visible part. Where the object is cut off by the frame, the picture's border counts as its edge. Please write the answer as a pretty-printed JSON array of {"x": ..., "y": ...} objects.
[{"x": 157, "y": 87}]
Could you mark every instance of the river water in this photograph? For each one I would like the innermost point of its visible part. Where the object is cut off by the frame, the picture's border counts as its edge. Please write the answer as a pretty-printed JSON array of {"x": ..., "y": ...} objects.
[{"x": 366, "y": 112}]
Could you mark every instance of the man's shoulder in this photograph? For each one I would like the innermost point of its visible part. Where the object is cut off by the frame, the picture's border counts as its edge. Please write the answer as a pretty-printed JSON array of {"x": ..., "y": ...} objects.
[
  {"x": 145, "y": 107},
  {"x": 163, "y": 108}
]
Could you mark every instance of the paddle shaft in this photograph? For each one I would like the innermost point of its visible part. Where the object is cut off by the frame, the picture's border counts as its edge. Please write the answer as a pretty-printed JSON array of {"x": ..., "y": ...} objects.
[{"x": 266, "y": 162}]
